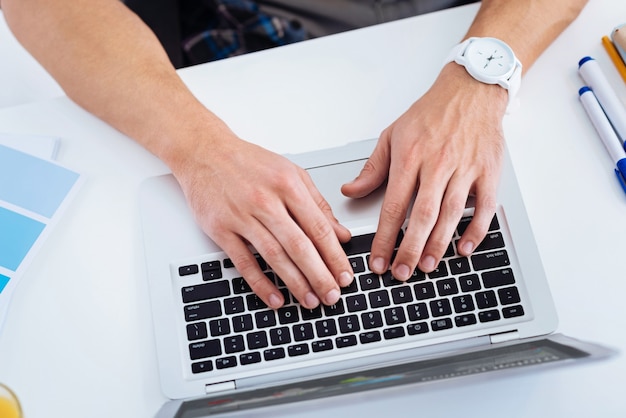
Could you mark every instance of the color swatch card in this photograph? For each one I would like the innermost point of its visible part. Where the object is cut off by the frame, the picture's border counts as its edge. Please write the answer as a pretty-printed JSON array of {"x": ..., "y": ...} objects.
[{"x": 33, "y": 193}]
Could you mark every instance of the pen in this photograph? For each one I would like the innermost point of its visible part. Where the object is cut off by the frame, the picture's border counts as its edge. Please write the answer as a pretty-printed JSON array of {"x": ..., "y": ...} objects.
[
  {"x": 606, "y": 132},
  {"x": 591, "y": 72},
  {"x": 615, "y": 56}
]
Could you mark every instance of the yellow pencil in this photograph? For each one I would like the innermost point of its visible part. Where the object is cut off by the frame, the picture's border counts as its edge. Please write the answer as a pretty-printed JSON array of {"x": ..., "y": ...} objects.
[{"x": 617, "y": 60}]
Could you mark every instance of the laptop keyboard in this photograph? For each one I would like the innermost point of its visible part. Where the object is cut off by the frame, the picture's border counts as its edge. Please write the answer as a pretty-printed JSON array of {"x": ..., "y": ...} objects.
[{"x": 227, "y": 326}]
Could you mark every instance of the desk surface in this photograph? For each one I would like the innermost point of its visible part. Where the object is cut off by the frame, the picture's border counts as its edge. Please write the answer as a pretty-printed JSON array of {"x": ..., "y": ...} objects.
[{"x": 78, "y": 339}]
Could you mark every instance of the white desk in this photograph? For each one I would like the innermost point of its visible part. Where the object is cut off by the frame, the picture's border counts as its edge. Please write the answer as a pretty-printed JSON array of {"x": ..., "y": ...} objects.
[{"x": 78, "y": 340}]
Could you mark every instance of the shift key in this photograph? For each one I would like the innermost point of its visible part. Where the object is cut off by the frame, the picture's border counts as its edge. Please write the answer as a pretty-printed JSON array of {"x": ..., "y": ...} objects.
[{"x": 205, "y": 291}]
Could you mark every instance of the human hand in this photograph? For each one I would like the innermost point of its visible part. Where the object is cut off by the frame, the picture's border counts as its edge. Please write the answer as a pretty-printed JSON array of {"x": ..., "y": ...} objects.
[
  {"x": 446, "y": 146},
  {"x": 243, "y": 194}
]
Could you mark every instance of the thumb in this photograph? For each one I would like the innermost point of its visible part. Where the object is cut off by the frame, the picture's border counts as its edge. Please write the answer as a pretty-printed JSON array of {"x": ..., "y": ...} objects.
[{"x": 373, "y": 173}]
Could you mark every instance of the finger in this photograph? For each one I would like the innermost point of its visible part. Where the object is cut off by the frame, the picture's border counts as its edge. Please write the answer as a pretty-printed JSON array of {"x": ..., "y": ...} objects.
[
  {"x": 422, "y": 220},
  {"x": 342, "y": 233},
  {"x": 400, "y": 189},
  {"x": 483, "y": 214},
  {"x": 294, "y": 242},
  {"x": 374, "y": 172},
  {"x": 451, "y": 212},
  {"x": 246, "y": 263}
]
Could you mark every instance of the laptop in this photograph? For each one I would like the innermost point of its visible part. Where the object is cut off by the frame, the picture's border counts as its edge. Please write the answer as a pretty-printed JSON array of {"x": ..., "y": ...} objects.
[{"x": 220, "y": 350}]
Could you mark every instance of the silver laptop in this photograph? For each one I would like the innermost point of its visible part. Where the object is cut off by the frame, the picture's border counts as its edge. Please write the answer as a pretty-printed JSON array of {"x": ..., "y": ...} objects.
[{"x": 221, "y": 350}]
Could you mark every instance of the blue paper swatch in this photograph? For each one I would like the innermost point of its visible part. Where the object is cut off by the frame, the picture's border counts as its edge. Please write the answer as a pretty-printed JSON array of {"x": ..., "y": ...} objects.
[
  {"x": 18, "y": 233},
  {"x": 32, "y": 183}
]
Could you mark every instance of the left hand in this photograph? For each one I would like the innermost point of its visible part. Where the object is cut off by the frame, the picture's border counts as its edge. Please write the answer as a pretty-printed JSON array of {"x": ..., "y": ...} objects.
[{"x": 446, "y": 146}]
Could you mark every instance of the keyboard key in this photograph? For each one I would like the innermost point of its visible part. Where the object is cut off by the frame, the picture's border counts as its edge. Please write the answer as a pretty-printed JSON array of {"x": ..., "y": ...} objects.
[
  {"x": 488, "y": 316},
  {"x": 417, "y": 328},
  {"x": 234, "y": 344},
  {"x": 417, "y": 311},
  {"x": 241, "y": 286},
  {"x": 498, "y": 278},
  {"x": 440, "y": 307},
  {"x": 463, "y": 303},
  {"x": 441, "y": 324},
  {"x": 254, "y": 303},
  {"x": 392, "y": 333},
  {"x": 228, "y": 263},
  {"x": 211, "y": 270},
  {"x": 302, "y": 332},
  {"x": 203, "y": 349},
  {"x": 187, "y": 270},
  {"x": 265, "y": 319},
  {"x": 492, "y": 241},
  {"x": 447, "y": 287},
  {"x": 288, "y": 315},
  {"x": 242, "y": 323},
  {"x": 326, "y": 328},
  {"x": 233, "y": 305},
  {"x": 205, "y": 291},
  {"x": 440, "y": 271},
  {"x": 389, "y": 280},
  {"x": 490, "y": 260},
  {"x": 201, "y": 366},
  {"x": 512, "y": 311},
  {"x": 464, "y": 320},
  {"x": 298, "y": 350},
  {"x": 459, "y": 266},
  {"x": 508, "y": 295},
  {"x": 372, "y": 320},
  {"x": 256, "y": 340},
  {"x": 369, "y": 281},
  {"x": 250, "y": 358},
  {"x": 280, "y": 336},
  {"x": 469, "y": 283},
  {"x": 379, "y": 299},
  {"x": 394, "y": 316},
  {"x": 197, "y": 331},
  {"x": 349, "y": 323},
  {"x": 369, "y": 337},
  {"x": 486, "y": 299},
  {"x": 309, "y": 314},
  {"x": 274, "y": 353},
  {"x": 336, "y": 309},
  {"x": 358, "y": 266},
  {"x": 219, "y": 327},
  {"x": 424, "y": 290},
  {"x": 351, "y": 288},
  {"x": 356, "y": 303},
  {"x": 358, "y": 244},
  {"x": 401, "y": 295},
  {"x": 204, "y": 310},
  {"x": 345, "y": 341},
  {"x": 321, "y": 345}
]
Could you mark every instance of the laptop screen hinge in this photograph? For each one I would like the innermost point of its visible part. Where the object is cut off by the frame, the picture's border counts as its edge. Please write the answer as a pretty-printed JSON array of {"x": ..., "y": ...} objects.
[
  {"x": 220, "y": 387},
  {"x": 504, "y": 336}
]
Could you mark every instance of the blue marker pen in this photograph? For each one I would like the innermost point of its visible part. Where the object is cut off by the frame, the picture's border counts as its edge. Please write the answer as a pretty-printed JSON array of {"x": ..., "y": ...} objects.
[{"x": 606, "y": 132}]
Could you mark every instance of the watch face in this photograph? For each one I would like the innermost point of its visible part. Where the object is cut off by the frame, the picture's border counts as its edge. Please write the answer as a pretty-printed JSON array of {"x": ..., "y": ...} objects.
[{"x": 490, "y": 57}]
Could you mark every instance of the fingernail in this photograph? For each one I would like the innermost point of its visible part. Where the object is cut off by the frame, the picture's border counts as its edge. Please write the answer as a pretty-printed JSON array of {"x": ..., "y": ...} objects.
[
  {"x": 468, "y": 247},
  {"x": 275, "y": 301},
  {"x": 311, "y": 300},
  {"x": 403, "y": 272},
  {"x": 332, "y": 297},
  {"x": 378, "y": 265},
  {"x": 428, "y": 263},
  {"x": 345, "y": 279}
]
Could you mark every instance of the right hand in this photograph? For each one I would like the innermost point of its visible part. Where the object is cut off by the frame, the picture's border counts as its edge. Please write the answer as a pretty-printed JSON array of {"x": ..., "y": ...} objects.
[{"x": 243, "y": 194}]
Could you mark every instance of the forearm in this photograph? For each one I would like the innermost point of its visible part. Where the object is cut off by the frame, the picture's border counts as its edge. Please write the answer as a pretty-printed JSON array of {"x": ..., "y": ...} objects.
[
  {"x": 109, "y": 62},
  {"x": 528, "y": 26}
]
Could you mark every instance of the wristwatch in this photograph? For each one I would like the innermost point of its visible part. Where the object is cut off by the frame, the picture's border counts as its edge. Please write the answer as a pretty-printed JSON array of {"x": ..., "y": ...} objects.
[{"x": 490, "y": 61}]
